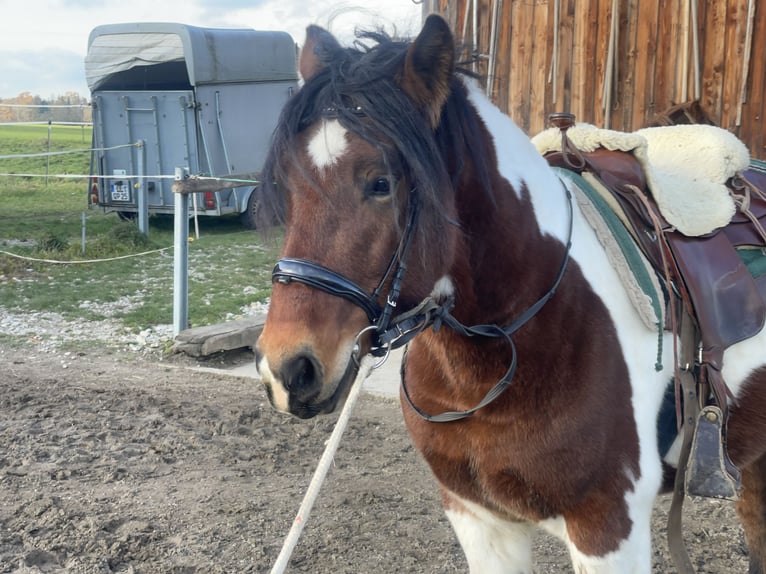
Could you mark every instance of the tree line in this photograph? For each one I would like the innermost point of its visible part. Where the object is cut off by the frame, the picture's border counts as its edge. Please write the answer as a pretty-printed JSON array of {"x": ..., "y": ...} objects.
[{"x": 32, "y": 108}]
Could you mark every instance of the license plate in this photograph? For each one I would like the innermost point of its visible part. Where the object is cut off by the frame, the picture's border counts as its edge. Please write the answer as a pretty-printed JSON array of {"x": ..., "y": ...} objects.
[{"x": 120, "y": 192}]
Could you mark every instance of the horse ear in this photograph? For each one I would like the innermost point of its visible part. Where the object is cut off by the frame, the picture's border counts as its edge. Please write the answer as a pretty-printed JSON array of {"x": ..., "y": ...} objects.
[
  {"x": 428, "y": 67},
  {"x": 317, "y": 40}
]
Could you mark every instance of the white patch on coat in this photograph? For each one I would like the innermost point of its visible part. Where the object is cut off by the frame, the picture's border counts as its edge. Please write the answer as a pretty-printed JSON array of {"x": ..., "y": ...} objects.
[
  {"x": 633, "y": 556},
  {"x": 328, "y": 144},
  {"x": 742, "y": 359},
  {"x": 491, "y": 545},
  {"x": 519, "y": 161},
  {"x": 521, "y": 164}
]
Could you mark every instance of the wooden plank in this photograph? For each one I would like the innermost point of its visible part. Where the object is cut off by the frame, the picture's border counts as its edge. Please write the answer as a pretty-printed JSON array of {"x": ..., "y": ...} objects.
[
  {"x": 649, "y": 53},
  {"x": 594, "y": 87},
  {"x": 753, "y": 111},
  {"x": 450, "y": 11},
  {"x": 199, "y": 184},
  {"x": 714, "y": 59},
  {"x": 736, "y": 20},
  {"x": 576, "y": 64},
  {"x": 745, "y": 69},
  {"x": 666, "y": 54},
  {"x": 484, "y": 25},
  {"x": 503, "y": 59},
  {"x": 646, "y": 55},
  {"x": 627, "y": 71},
  {"x": 583, "y": 79},
  {"x": 674, "y": 49},
  {"x": 548, "y": 77},
  {"x": 210, "y": 339},
  {"x": 538, "y": 68},
  {"x": 566, "y": 49},
  {"x": 521, "y": 46},
  {"x": 611, "y": 89},
  {"x": 601, "y": 48},
  {"x": 551, "y": 70},
  {"x": 485, "y": 21}
]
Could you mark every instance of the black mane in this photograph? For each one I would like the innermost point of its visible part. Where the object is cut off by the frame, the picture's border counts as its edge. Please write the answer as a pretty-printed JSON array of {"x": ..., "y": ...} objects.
[{"x": 358, "y": 86}]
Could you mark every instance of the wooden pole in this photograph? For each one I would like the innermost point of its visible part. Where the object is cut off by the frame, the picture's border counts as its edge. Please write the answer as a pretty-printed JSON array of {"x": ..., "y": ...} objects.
[
  {"x": 746, "y": 60},
  {"x": 201, "y": 184},
  {"x": 696, "y": 52},
  {"x": 685, "y": 50},
  {"x": 609, "y": 69}
]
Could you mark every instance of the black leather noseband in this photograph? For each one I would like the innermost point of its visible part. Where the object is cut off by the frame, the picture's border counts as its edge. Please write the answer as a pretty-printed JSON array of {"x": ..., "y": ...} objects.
[{"x": 289, "y": 269}]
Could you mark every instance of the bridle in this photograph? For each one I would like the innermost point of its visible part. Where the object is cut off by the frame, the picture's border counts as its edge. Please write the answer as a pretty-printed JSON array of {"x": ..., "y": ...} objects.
[
  {"x": 389, "y": 331},
  {"x": 290, "y": 269}
]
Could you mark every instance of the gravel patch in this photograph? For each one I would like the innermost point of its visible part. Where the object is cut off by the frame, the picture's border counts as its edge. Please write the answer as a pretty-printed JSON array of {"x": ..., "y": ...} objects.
[{"x": 49, "y": 331}]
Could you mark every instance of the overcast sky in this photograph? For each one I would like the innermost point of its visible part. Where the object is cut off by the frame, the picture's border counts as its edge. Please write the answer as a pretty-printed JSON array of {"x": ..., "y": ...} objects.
[{"x": 43, "y": 43}]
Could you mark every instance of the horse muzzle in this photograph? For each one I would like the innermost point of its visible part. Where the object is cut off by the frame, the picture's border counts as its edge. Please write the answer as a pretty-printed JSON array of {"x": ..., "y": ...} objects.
[{"x": 299, "y": 386}]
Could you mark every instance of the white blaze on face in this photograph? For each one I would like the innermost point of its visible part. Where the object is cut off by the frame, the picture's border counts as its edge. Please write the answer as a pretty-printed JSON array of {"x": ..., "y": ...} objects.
[
  {"x": 279, "y": 395},
  {"x": 328, "y": 144}
]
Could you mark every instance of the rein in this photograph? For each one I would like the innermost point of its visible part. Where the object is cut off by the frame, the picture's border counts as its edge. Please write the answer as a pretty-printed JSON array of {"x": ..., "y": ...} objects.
[
  {"x": 391, "y": 332},
  {"x": 441, "y": 314}
]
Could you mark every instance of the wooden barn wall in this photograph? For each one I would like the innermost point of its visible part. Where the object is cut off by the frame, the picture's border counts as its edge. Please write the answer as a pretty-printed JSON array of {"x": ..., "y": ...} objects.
[{"x": 539, "y": 67}]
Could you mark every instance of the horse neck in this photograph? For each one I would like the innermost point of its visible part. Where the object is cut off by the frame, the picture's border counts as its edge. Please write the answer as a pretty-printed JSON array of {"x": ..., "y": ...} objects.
[{"x": 514, "y": 233}]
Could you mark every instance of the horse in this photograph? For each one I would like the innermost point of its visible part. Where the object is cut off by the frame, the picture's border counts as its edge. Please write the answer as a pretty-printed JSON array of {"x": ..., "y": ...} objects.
[{"x": 416, "y": 213}]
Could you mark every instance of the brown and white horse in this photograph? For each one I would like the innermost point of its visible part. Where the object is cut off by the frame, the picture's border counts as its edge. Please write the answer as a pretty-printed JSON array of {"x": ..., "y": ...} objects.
[{"x": 416, "y": 211}]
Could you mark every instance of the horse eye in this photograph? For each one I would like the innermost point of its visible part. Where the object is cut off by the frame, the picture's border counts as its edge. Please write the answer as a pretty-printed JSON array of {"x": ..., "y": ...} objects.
[{"x": 380, "y": 187}]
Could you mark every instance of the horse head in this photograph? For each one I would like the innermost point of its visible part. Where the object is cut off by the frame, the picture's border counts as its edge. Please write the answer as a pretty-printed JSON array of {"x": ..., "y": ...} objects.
[{"x": 364, "y": 181}]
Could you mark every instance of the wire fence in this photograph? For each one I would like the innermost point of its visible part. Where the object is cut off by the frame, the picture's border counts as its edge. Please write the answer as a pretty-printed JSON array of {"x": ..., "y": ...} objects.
[
  {"x": 47, "y": 155},
  {"x": 222, "y": 180}
]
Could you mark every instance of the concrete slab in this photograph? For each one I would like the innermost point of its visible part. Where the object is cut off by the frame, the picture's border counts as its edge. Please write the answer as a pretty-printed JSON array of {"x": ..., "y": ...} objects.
[
  {"x": 211, "y": 339},
  {"x": 243, "y": 334}
]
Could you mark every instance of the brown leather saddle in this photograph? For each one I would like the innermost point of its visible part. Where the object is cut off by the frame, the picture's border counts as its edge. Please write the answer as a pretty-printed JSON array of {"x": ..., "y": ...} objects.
[{"x": 710, "y": 290}]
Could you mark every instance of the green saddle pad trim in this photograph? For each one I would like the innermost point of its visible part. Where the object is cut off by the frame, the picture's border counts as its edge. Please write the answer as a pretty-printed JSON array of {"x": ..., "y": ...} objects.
[
  {"x": 630, "y": 251},
  {"x": 754, "y": 260}
]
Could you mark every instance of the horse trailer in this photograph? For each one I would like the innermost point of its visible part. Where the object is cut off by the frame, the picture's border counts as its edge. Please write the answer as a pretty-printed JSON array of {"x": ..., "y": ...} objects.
[{"x": 168, "y": 96}]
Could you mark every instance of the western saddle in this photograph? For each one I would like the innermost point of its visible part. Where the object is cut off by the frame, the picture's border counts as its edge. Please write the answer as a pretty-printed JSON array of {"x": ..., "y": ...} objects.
[{"x": 712, "y": 299}]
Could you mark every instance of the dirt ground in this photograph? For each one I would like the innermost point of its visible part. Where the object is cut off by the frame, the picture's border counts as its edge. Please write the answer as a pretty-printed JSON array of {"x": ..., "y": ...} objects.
[{"x": 114, "y": 463}]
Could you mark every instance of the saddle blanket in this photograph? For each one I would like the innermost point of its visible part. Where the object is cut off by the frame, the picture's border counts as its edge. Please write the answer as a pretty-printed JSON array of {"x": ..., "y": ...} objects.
[{"x": 636, "y": 273}]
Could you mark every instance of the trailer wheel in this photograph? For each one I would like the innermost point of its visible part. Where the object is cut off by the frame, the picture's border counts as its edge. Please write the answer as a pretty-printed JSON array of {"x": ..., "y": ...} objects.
[
  {"x": 127, "y": 215},
  {"x": 249, "y": 217}
]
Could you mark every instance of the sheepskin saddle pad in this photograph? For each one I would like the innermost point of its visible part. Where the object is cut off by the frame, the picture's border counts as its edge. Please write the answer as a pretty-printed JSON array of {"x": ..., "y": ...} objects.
[{"x": 686, "y": 167}]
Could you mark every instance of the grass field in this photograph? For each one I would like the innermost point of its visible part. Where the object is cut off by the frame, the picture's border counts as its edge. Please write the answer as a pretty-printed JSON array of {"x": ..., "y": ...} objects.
[{"x": 43, "y": 219}]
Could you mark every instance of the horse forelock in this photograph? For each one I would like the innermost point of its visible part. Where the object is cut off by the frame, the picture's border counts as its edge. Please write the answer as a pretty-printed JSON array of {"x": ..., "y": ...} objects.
[{"x": 359, "y": 87}]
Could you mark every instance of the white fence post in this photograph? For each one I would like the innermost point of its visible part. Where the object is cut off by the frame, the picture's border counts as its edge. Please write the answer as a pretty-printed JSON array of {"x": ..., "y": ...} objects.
[
  {"x": 143, "y": 200},
  {"x": 181, "y": 258}
]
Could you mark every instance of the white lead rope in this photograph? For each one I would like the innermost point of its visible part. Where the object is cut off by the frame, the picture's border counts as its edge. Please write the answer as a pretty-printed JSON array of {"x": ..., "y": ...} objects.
[{"x": 322, "y": 468}]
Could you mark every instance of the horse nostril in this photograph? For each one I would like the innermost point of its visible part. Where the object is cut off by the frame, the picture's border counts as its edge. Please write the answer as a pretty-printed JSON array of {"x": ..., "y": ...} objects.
[{"x": 301, "y": 376}]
